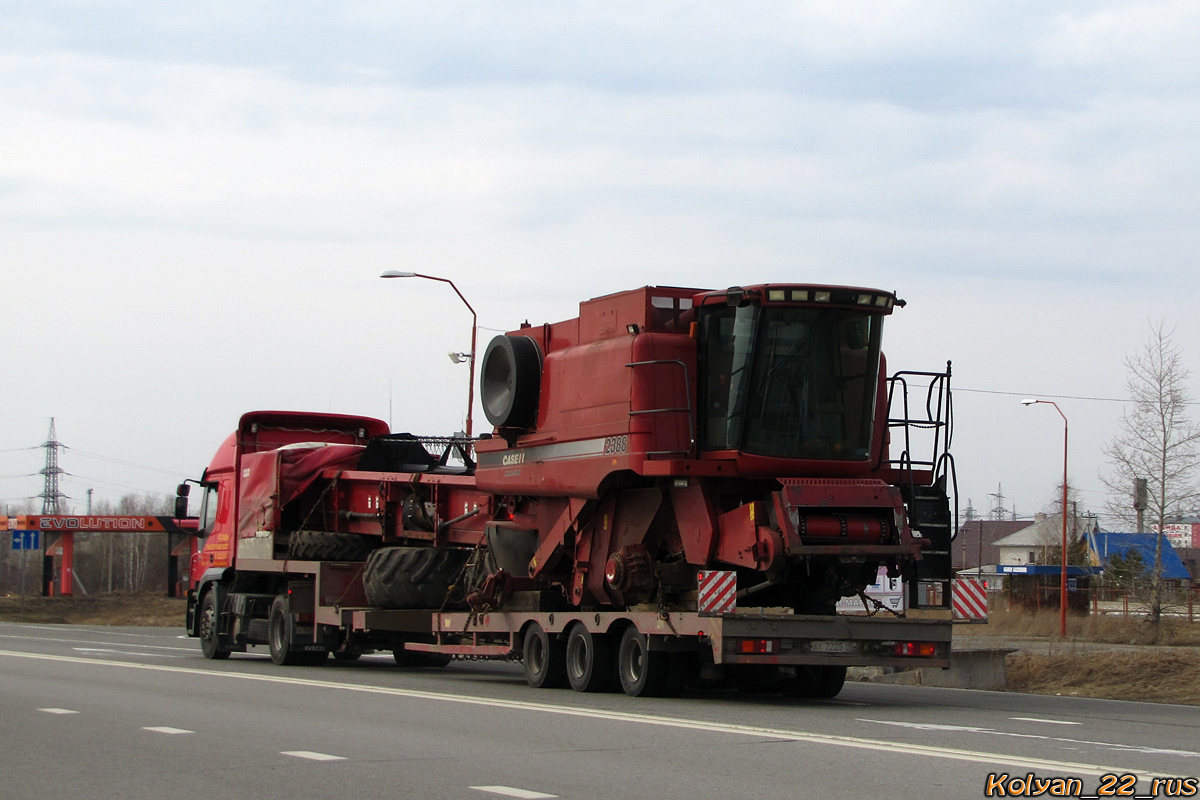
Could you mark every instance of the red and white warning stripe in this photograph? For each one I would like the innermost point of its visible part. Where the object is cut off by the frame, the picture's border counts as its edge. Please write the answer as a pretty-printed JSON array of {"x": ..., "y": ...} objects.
[
  {"x": 970, "y": 599},
  {"x": 717, "y": 592}
]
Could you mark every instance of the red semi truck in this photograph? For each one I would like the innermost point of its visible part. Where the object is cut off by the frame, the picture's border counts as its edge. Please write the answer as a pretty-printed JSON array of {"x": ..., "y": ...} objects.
[{"x": 681, "y": 484}]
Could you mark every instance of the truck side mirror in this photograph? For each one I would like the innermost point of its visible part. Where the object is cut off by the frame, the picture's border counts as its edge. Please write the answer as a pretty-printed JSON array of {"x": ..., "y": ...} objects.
[{"x": 181, "y": 507}]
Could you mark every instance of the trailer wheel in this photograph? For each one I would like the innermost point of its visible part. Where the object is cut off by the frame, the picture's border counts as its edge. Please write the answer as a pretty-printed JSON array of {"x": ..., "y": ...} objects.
[
  {"x": 328, "y": 546},
  {"x": 544, "y": 659},
  {"x": 412, "y": 577},
  {"x": 643, "y": 673},
  {"x": 818, "y": 682},
  {"x": 210, "y": 636},
  {"x": 281, "y": 638},
  {"x": 589, "y": 660}
]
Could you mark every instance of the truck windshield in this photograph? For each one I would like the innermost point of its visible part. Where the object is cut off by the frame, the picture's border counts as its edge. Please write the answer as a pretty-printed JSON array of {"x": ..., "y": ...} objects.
[{"x": 790, "y": 382}]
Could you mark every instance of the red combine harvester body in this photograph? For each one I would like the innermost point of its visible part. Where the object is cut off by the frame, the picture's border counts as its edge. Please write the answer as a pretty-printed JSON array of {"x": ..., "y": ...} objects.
[{"x": 681, "y": 484}]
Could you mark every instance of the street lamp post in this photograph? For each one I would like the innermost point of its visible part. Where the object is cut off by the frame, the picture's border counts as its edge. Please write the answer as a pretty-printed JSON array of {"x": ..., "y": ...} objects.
[
  {"x": 391, "y": 273},
  {"x": 1062, "y": 588}
]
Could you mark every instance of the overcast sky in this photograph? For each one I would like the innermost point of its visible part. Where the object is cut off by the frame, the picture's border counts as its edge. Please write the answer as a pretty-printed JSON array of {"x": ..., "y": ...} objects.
[{"x": 196, "y": 202}]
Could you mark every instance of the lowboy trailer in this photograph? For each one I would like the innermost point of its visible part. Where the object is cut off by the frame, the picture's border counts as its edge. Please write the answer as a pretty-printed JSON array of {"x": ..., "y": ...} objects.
[{"x": 680, "y": 486}]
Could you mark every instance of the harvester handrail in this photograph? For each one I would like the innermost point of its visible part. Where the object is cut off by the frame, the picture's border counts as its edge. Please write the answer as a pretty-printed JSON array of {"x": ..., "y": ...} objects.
[{"x": 687, "y": 393}]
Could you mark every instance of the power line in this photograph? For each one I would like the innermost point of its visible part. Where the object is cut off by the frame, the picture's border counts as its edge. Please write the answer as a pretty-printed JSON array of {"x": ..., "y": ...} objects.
[
  {"x": 122, "y": 462},
  {"x": 1057, "y": 396}
]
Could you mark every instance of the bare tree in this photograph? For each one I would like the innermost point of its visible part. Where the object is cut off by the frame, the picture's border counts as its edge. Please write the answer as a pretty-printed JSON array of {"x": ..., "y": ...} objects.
[{"x": 1156, "y": 441}]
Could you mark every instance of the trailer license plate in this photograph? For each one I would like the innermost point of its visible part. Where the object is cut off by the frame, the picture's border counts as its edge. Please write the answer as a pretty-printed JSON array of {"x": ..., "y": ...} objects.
[{"x": 832, "y": 646}]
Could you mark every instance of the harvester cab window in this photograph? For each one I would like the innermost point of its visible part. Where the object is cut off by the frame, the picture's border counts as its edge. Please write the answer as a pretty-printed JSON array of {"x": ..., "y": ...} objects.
[
  {"x": 790, "y": 382},
  {"x": 728, "y": 347}
]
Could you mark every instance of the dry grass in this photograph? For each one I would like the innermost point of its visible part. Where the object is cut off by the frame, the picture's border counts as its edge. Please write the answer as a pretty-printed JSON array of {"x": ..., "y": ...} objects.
[
  {"x": 1092, "y": 628},
  {"x": 118, "y": 609},
  {"x": 1147, "y": 676}
]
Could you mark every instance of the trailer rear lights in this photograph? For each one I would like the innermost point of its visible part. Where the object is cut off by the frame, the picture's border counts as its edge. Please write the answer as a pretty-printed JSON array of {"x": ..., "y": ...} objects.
[
  {"x": 755, "y": 647},
  {"x": 917, "y": 649}
]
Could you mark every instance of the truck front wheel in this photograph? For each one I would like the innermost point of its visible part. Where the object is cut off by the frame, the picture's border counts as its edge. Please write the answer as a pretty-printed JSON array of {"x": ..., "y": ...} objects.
[{"x": 210, "y": 636}]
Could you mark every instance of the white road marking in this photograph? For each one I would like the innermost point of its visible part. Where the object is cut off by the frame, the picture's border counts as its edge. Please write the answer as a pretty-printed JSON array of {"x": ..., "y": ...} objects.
[
  {"x": 58, "y": 711},
  {"x": 125, "y": 652},
  {"x": 311, "y": 756},
  {"x": 104, "y": 631},
  {"x": 1047, "y": 721},
  {"x": 509, "y": 791},
  {"x": 1123, "y": 748},
  {"x": 86, "y": 641},
  {"x": 166, "y": 729},
  {"x": 820, "y": 739}
]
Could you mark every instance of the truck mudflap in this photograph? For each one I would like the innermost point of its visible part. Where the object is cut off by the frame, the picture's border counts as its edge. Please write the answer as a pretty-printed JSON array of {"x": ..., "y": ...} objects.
[{"x": 783, "y": 639}]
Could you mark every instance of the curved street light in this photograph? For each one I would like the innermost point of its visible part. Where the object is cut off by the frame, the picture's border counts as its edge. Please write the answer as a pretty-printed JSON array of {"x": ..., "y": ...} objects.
[
  {"x": 455, "y": 357},
  {"x": 1062, "y": 587}
]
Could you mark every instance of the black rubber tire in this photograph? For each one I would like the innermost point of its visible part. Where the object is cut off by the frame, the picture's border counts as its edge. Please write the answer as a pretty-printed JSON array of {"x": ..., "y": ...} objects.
[
  {"x": 510, "y": 381},
  {"x": 682, "y": 669},
  {"x": 281, "y": 636},
  {"x": 412, "y": 577},
  {"x": 643, "y": 672},
  {"x": 436, "y": 660},
  {"x": 210, "y": 639},
  {"x": 415, "y": 658},
  {"x": 544, "y": 658},
  {"x": 328, "y": 546},
  {"x": 754, "y": 678},
  {"x": 589, "y": 660},
  {"x": 817, "y": 682}
]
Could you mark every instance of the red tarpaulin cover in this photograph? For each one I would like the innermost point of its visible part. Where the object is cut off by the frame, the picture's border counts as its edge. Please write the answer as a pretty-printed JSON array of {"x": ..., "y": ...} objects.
[{"x": 272, "y": 479}]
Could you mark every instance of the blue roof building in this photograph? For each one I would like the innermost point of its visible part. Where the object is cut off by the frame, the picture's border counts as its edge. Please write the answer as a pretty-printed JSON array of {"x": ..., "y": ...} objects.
[{"x": 1103, "y": 545}]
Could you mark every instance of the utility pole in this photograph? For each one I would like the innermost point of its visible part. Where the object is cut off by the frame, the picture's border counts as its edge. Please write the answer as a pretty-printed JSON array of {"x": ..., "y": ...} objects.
[{"x": 89, "y": 511}]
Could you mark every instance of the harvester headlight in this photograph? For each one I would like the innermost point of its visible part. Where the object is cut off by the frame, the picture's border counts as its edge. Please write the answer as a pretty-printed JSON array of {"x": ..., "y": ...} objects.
[
  {"x": 864, "y": 299},
  {"x": 821, "y": 297},
  {"x": 776, "y": 295},
  {"x": 800, "y": 295}
]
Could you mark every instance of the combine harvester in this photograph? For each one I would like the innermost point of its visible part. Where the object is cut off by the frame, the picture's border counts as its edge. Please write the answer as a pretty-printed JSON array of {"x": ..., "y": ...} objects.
[{"x": 681, "y": 485}]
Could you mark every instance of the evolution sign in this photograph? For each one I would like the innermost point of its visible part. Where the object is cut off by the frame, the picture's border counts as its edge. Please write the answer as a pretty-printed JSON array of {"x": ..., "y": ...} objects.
[{"x": 64, "y": 522}]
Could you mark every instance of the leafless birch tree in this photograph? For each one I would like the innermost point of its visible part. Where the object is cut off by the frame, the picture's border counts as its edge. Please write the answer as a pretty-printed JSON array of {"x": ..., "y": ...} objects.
[{"x": 1157, "y": 441}]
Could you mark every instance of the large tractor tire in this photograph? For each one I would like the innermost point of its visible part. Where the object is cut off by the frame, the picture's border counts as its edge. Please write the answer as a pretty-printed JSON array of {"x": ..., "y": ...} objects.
[
  {"x": 328, "y": 546},
  {"x": 412, "y": 577}
]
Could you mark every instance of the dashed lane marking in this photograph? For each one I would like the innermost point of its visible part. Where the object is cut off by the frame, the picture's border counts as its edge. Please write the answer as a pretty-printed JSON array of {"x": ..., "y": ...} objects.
[
  {"x": 1047, "y": 721},
  {"x": 511, "y": 791},
  {"x": 311, "y": 756},
  {"x": 812, "y": 738},
  {"x": 58, "y": 711},
  {"x": 166, "y": 729}
]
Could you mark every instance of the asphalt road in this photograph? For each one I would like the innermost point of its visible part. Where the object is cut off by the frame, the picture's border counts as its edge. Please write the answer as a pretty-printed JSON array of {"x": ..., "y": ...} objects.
[{"x": 130, "y": 713}]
